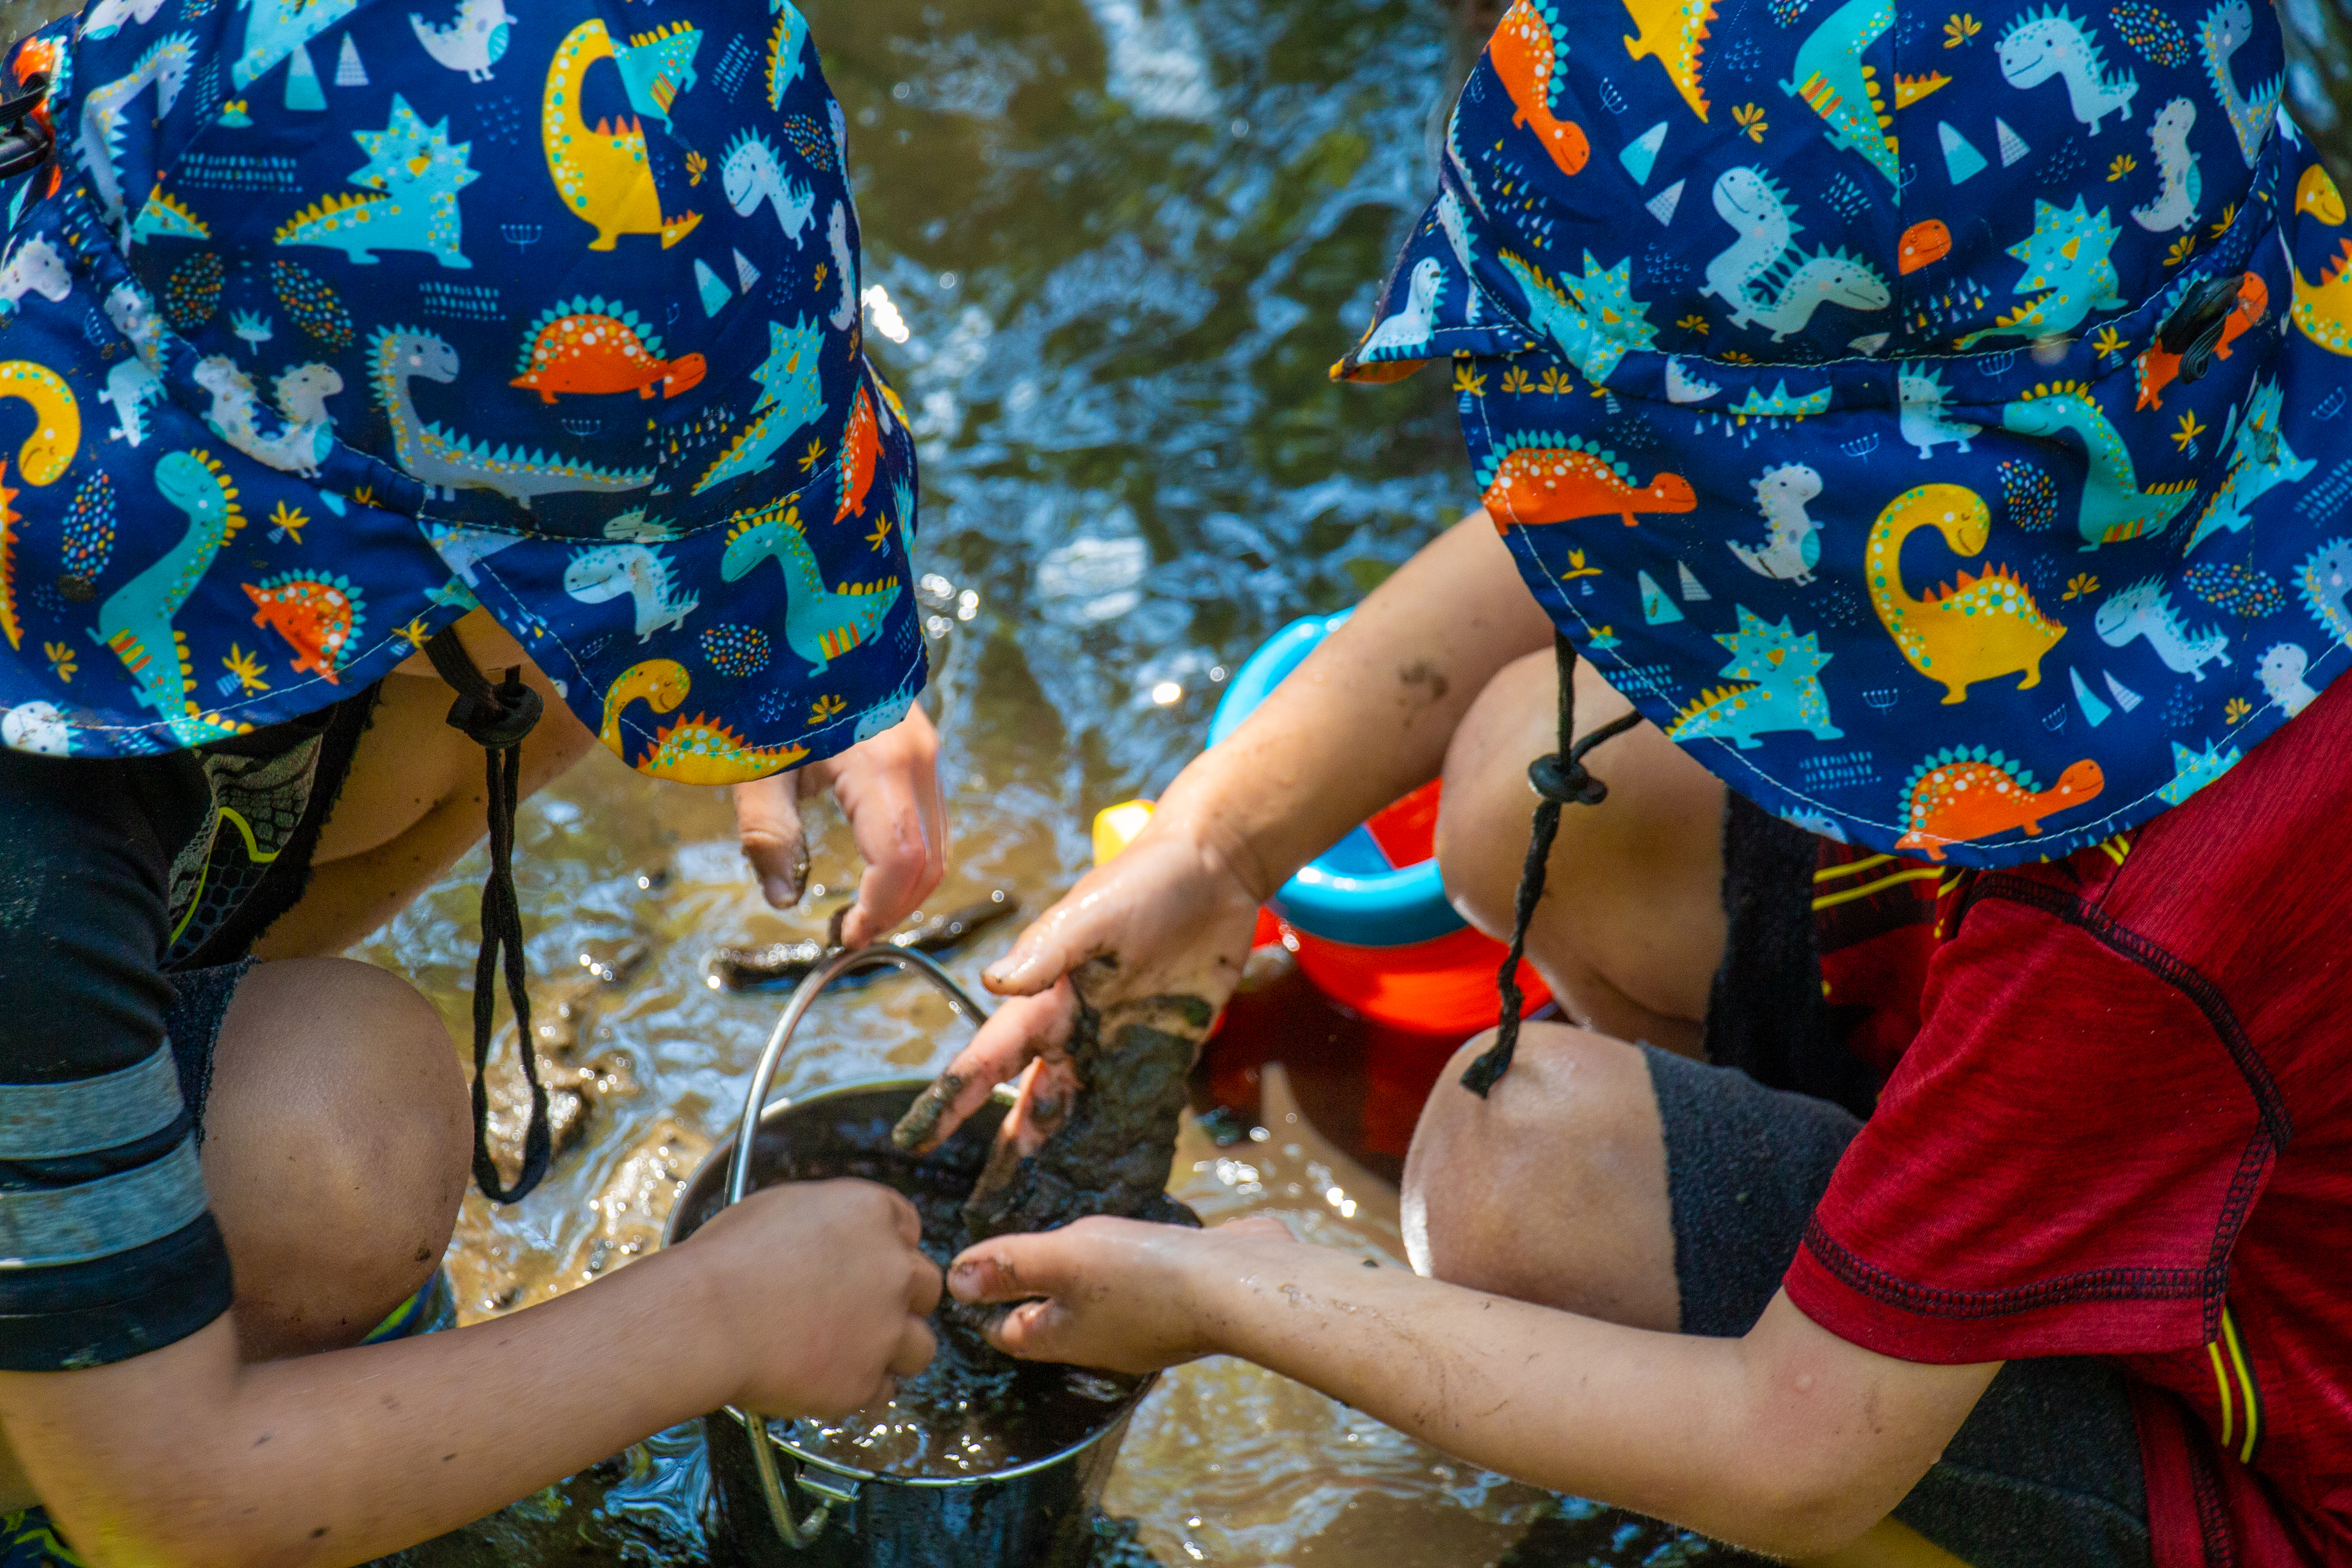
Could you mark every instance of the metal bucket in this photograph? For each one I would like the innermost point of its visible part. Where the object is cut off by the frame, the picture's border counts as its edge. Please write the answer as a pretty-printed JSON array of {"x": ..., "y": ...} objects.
[{"x": 784, "y": 1504}]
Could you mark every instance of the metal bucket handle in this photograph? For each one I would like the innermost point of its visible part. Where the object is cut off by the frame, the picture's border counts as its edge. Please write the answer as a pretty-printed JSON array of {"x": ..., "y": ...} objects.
[{"x": 801, "y": 1535}]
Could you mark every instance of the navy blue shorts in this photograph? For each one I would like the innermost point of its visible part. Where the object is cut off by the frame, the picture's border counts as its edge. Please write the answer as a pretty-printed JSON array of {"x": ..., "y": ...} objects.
[{"x": 2046, "y": 1469}]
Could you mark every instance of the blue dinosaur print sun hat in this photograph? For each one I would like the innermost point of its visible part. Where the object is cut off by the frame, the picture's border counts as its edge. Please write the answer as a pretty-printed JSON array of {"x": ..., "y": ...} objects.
[
  {"x": 1933, "y": 419},
  {"x": 331, "y": 320}
]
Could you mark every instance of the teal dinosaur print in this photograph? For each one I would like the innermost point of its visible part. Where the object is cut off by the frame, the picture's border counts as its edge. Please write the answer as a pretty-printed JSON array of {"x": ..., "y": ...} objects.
[
  {"x": 785, "y": 45},
  {"x": 2192, "y": 769},
  {"x": 2325, "y": 579},
  {"x": 821, "y": 624},
  {"x": 657, "y": 67},
  {"x": 1830, "y": 79},
  {"x": 1780, "y": 688},
  {"x": 276, "y": 28},
  {"x": 1592, "y": 319},
  {"x": 135, "y": 621},
  {"x": 416, "y": 173},
  {"x": 2260, "y": 461},
  {"x": 105, "y": 112},
  {"x": 2066, "y": 266},
  {"x": 2113, "y": 507},
  {"x": 2040, "y": 45},
  {"x": 2225, "y": 30},
  {"x": 165, "y": 216},
  {"x": 790, "y": 399},
  {"x": 446, "y": 461}
]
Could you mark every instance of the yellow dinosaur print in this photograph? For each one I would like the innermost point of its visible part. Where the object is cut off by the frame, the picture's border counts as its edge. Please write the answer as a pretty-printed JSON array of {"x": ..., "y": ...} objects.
[
  {"x": 2323, "y": 310},
  {"x": 1981, "y": 627},
  {"x": 696, "y": 750},
  {"x": 1673, "y": 33},
  {"x": 56, "y": 430},
  {"x": 601, "y": 171},
  {"x": 2317, "y": 193}
]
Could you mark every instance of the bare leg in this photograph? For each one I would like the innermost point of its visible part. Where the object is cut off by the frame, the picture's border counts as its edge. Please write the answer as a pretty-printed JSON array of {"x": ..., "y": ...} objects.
[
  {"x": 337, "y": 1145},
  {"x": 1631, "y": 929},
  {"x": 1553, "y": 1189}
]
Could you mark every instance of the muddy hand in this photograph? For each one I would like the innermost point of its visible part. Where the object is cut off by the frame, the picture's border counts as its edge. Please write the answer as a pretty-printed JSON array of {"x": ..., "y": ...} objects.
[
  {"x": 1110, "y": 1293},
  {"x": 888, "y": 788},
  {"x": 1167, "y": 920}
]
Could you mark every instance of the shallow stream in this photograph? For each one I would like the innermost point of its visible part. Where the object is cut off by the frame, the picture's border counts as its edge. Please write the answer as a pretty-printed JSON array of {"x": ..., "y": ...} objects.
[{"x": 1111, "y": 247}]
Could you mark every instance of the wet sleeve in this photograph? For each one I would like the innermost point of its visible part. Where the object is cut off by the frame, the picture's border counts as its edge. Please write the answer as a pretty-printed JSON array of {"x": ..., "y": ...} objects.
[
  {"x": 106, "y": 1248},
  {"x": 2059, "y": 1166}
]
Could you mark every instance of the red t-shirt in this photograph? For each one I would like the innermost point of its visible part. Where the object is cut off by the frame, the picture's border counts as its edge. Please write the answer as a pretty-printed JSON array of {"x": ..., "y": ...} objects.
[{"x": 2126, "y": 1130}]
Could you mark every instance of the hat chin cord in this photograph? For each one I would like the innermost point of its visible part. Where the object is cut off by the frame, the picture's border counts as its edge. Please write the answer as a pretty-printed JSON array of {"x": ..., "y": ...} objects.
[
  {"x": 497, "y": 717},
  {"x": 1558, "y": 779}
]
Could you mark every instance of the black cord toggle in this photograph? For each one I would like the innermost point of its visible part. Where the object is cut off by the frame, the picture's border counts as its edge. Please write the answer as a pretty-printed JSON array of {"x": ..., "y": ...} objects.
[
  {"x": 500, "y": 716},
  {"x": 1559, "y": 779},
  {"x": 497, "y": 717},
  {"x": 2194, "y": 330},
  {"x": 25, "y": 140}
]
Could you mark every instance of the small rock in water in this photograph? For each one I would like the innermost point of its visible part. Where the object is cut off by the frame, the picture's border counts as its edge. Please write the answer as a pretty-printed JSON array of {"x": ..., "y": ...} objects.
[{"x": 790, "y": 962}]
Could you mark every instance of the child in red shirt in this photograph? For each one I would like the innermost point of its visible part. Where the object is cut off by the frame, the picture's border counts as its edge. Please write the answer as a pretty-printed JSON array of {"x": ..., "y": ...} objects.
[{"x": 1918, "y": 421}]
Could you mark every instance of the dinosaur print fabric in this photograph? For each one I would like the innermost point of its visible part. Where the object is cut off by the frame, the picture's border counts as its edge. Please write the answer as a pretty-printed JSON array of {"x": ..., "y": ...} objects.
[
  {"x": 331, "y": 319},
  {"x": 1933, "y": 419}
]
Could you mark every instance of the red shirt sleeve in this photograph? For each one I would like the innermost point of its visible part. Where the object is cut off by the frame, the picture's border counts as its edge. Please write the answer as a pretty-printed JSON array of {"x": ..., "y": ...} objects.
[{"x": 2059, "y": 1166}]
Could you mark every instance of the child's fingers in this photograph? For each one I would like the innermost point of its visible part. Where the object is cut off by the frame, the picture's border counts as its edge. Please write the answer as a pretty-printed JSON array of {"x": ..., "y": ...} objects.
[
  {"x": 1055, "y": 942},
  {"x": 768, "y": 824},
  {"x": 903, "y": 858},
  {"x": 916, "y": 1348},
  {"x": 1019, "y": 1030},
  {"x": 1006, "y": 1268},
  {"x": 1031, "y": 1331}
]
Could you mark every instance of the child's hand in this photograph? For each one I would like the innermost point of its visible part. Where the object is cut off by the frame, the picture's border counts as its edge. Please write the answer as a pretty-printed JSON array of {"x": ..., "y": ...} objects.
[
  {"x": 888, "y": 788},
  {"x": 1116, "y": 1293},
  {"x": 1167, "y": 920},
  {"x": 819, "y": 1293}
]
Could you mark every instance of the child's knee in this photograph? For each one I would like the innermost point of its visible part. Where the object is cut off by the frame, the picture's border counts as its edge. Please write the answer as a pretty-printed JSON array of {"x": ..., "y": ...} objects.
[
  {"x": 337, "y": 1139},
  {"x": 1505, "y": 1191}
]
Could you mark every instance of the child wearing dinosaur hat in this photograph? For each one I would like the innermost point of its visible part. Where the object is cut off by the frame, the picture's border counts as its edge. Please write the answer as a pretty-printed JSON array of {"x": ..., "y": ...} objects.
[
  {"x": 345, "y": 351},
  {"x": 1911, "y": 428}
]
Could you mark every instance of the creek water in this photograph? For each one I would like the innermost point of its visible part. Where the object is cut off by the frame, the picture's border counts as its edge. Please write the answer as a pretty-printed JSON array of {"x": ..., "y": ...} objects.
[{"x": 1112, "y": 247}]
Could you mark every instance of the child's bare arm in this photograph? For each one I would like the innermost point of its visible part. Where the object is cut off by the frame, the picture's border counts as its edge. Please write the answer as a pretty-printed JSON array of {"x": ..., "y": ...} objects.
[
  {"x": 184, "y": 1457},
  {"x": 1790, "y": 1441},
  {"x": 1364, "y": 719}
]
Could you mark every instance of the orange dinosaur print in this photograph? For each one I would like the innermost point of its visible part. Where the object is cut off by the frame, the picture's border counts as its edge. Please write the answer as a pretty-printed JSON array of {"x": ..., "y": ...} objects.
[
  {"x": 1525, "y": 52},
  {"x": 1546, "y": 478},
  {"x": 861, "y": 449},
  {"x": 318, "y": 616},
  {"x": 1963, "y": 794},
  {"x": 594, "y": 345},
  {"x": 1924, "y": 243}
]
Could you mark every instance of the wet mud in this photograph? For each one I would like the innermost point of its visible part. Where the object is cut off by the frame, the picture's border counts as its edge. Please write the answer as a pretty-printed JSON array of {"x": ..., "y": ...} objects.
[
  {"x": 1110, "y": 1147},
  {"x": 973, "y": 1410}
]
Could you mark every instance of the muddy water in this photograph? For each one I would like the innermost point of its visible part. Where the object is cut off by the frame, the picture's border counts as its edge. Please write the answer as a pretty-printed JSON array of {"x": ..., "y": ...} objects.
[{"x": 1122, "y": 239}]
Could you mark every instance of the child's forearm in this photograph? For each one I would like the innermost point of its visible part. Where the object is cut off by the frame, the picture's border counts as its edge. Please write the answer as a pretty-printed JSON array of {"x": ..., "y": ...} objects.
[
  {"x": 1367, "y": 715},
  {"x": 1790, "y": 1441},
  {"x": 345, "y": 1457}
]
